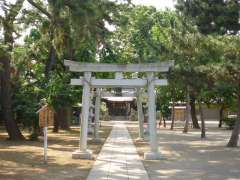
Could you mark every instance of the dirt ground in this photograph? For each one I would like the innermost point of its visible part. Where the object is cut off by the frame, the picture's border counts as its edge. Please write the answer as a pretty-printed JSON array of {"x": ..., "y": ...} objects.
[
  {"x": 24, "y": 160},
  {"x": 187, "y": 157}
]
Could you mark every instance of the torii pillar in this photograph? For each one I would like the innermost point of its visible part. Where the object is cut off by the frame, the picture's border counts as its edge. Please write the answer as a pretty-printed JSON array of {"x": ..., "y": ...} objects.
[
  {"x": 97, "y": 116},
  {"x": 140, "y": 115},
  {"x": 82, "y": 152},
  {"x": 154, "y": 153}
]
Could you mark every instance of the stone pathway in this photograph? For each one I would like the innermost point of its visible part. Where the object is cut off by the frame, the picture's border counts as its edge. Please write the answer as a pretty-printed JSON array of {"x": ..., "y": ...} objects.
[{"x": 118, "y": 159}]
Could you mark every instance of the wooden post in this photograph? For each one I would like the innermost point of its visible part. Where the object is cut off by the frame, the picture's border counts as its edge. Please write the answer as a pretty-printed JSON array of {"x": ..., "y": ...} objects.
[
  {"x": 45, "y": 138},
  {"x": 46, "y": 116},
  {"x": 45, "y": 144},
  {"x": 153, "y": 154},
  {"x": 83, "y": 153},
  {"x": 140, "y": 115},
  {"x": 97, "y": 115}
]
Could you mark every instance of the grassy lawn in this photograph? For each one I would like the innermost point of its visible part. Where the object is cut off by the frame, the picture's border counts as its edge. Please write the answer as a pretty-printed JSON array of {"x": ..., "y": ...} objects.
[{"x": 24, "y": 160}]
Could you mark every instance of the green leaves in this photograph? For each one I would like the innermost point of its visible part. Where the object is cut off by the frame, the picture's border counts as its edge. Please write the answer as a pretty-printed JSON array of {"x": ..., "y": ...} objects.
[
  {"x": 212, "y": 17},
  {"x": 60, "y": 93}
]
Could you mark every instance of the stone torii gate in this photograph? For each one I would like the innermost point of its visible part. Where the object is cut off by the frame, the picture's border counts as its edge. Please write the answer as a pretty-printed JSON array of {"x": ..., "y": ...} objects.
[{"x": 87, "y": 81}]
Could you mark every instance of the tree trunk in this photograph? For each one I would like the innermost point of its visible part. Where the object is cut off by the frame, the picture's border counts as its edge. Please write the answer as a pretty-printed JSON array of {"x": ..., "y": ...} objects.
[
  {"x": 1, "y": 122},
  {"x": 173, "y": 112},
  {"x": 203, "y": 128},
  {"x": 51, "y": 61},
  {"x": 164, "y": 122},
  {"x": 56, "y": 122},
  {"x": 160, "y": 122},
  {"x": 188, "y": 112},
  {"x": 173, "y": 117},
  {"x": 66, "y": 118},
  {"x": 62, "y": 118},
  {"x": 6, "y": 100},
  {"x": 221, "y": 116},
  {"x": 193, "y": 112},
  {"x": 5, "y": 59},
  {"x": 233, "y": 142}
]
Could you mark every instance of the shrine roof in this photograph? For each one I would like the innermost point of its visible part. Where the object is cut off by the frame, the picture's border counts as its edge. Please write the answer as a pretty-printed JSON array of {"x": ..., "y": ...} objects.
[{"x": 120, "y": 99}]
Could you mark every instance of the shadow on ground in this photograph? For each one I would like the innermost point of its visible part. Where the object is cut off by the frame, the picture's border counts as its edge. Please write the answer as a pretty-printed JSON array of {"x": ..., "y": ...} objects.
[
  {"x": 24, "y": 160},
  {"x": 189, "y": 157}
]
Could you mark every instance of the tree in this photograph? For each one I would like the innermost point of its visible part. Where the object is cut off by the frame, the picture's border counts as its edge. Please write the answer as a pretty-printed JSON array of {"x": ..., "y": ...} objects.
[
  {"x": 212, "y": 17},
  {"x": 74, "y": 32},
  {"x": 231, "y": 70},
  {"x": 8, "y": 24},
  {"x": 147, "y": 35},
  {"x": 225, "y": 72}
]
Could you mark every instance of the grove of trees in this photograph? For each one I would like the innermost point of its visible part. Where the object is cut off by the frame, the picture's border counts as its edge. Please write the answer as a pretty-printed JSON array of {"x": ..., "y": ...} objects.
[{"x": 201, "y": 36}]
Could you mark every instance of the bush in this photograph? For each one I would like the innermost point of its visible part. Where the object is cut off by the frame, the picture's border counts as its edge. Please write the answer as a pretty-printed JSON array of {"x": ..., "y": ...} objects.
[{"x": 230, "y": 122}]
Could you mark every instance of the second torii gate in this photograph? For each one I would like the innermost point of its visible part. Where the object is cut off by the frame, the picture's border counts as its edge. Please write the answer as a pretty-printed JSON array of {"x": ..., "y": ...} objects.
[{"x": 88, "y": 81}]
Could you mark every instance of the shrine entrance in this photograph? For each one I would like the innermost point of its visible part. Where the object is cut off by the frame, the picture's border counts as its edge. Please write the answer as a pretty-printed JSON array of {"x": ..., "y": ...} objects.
[
  {"x": 140, "y": 85},
  {"x": 119, "y": 106}
]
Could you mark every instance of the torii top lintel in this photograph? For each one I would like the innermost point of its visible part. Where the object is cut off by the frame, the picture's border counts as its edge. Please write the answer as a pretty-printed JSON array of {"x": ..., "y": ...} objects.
[{"x": 103, "y": 67}]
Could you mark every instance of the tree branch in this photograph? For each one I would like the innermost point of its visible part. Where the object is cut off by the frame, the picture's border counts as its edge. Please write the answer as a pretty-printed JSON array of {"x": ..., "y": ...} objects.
[
  {"x": 1, "y": 18},
  {"x": 14, "y": 10},
  {"x": 40, "y": 8}
]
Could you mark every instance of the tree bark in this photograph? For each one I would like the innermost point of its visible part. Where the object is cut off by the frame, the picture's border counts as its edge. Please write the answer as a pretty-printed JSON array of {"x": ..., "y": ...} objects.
[
  {"x": 56, "y": 122},
  {"x": 164, "y": 123},
  {"x": 173, "y": 112},
  {"x": 233, "y": 142},
  {"x": 62, "y": 119},
  {"x": 173, "y": 117},
  {"x": 188, "y": 112},
  {"x": 5, "y": 61},
  {"x": 6, "y": 100},
  {"x": 66, "y": 118},
  {"x": 193, "y": 112},
  {"x": 51, "y": 61},
  {"x": 203, "y": 128},
  {"x": 221, "y": 116}
]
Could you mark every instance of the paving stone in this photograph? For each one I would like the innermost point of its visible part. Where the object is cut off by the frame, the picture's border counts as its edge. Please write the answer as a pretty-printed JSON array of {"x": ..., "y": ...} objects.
[{"x": 118, "y": 159}]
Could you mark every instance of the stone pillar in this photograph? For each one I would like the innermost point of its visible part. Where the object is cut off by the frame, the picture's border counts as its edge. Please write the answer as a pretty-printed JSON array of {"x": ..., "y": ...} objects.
[
  {"x": 146, "y": 131},
  {"x": 97, "y": 115},
  {"x": 153, "y": 154},
  {"x": 140, "y": 115},
  {"x": 90, "y": 118},
  {"x": 83, "y": 153},
  {"x": 118, "y": 75}
]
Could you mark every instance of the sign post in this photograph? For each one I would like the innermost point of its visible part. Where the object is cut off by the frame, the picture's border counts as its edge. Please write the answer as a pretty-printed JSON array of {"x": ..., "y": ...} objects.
[
  {"x": 45, "y": 144},
  {"x": 46, "y": 118}
]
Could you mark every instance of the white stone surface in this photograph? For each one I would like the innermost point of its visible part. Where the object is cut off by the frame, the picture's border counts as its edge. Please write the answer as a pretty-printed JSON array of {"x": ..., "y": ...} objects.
[
  {"x": 78, "y": 154},
  {"x": 97, "y": 114},
  {"x": 152, "y": 113},
  {"x": 140, "y": 114},
  {"x": 153, "y": 156},
  {"x": 118, "y": 159},
  {"x": 85, "y": 113},
  {"x": 123, "y": 83},
  {"x": 103, "y": 67}
]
